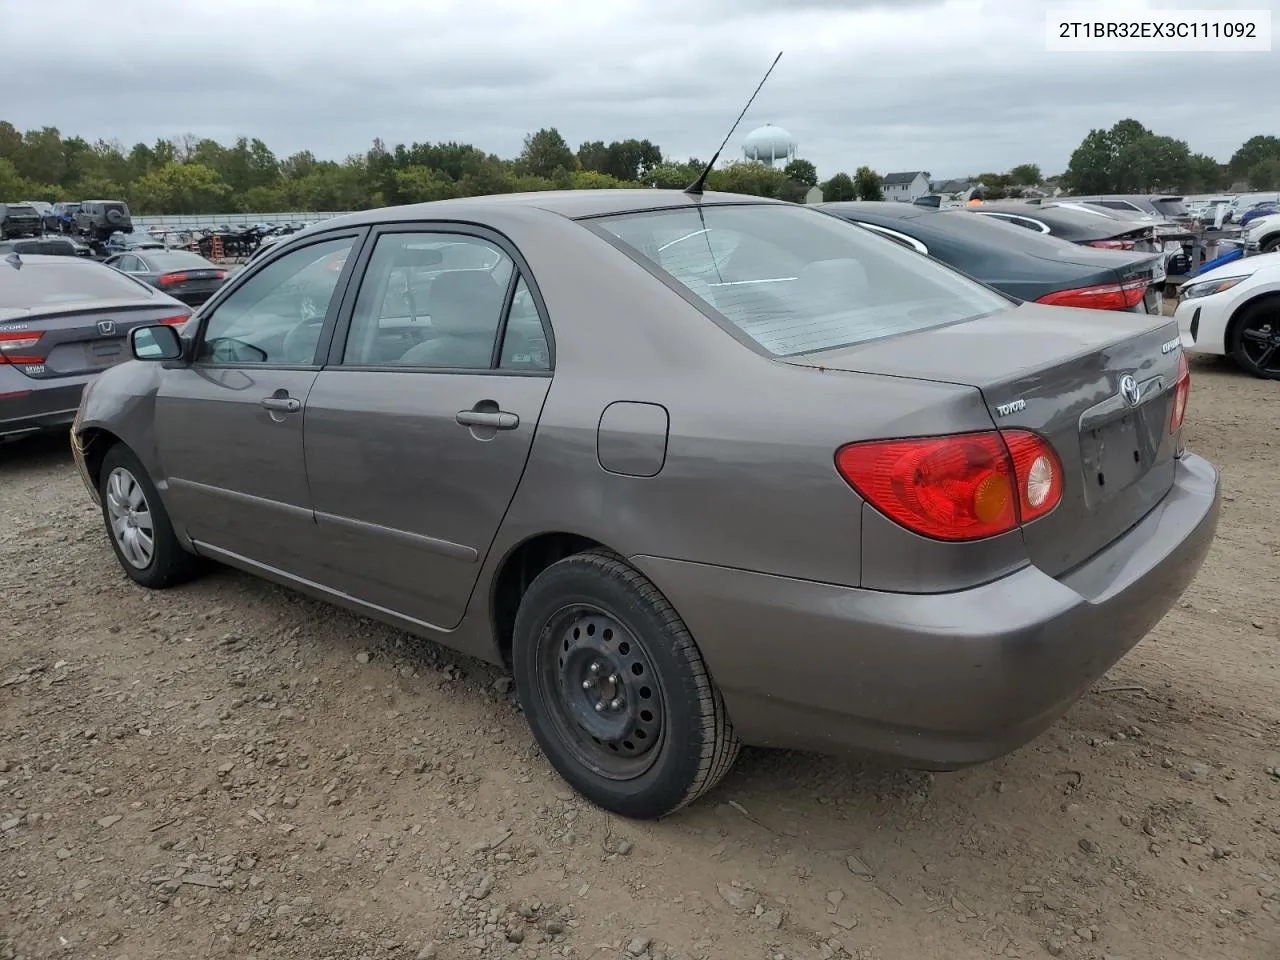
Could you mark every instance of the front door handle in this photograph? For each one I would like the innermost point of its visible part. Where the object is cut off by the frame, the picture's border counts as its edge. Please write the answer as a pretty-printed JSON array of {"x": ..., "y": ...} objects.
[
  {"x": 283, "y": 404},
  {"x": 495, "y": 419}
]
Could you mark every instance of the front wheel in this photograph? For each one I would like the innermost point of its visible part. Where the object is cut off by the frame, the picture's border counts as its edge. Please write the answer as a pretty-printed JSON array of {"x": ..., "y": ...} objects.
[
  {"x": 1255, "y": 338},
  {"x": 138, "y": 525},
  {"x": 615, "y": 690}
]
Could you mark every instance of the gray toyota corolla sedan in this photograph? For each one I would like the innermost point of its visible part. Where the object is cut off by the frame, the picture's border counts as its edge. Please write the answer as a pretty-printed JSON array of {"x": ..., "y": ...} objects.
[{"x": 703, "y": 470}]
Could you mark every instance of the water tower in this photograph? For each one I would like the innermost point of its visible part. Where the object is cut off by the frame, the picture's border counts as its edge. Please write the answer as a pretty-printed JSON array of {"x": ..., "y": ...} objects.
[{"x": 768, "y": 145}]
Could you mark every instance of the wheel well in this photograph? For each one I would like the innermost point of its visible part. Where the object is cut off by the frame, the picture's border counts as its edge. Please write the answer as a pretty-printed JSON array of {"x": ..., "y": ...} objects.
[
  {"x": 94, "y": 443},
  {"x": 519, "y": 569},
  {"x": 1239, "y": 312}
]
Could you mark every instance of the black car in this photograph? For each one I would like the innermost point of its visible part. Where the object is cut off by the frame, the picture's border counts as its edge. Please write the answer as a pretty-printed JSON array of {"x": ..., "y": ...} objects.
[
  {"x": 1095, "y": 228},
  {"x": 183, "y": 275},
  {"x": 1019, "y": 262},
  {"x": 63, "y": 320},
  {"x": 47, "y": 246},
  {"x": 19, "y": 220}
]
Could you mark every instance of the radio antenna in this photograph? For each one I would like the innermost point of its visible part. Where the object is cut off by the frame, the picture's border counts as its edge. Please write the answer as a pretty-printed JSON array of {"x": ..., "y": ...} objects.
[{"x": 695, "y": 189}]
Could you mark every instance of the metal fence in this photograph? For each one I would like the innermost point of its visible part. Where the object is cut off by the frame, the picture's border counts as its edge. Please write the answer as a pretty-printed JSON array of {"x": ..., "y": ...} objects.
[{"x": 214, "y": 220}]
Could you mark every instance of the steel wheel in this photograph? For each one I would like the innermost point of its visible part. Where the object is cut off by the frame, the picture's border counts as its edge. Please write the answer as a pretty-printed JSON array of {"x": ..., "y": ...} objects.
[
  {"x": 132, "y": 526},
  {"x": 602, "y": 692}
]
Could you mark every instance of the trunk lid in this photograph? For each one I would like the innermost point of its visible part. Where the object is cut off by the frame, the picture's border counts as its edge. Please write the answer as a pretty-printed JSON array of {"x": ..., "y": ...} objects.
[
  {"x": 79, "y": 339},
  {"x": 1058, "y": 372}
]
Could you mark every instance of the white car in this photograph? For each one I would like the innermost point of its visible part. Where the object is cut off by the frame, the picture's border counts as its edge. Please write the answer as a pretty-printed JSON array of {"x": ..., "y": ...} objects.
[
  {"x": 1264, "y": 232},
  {"x": 1234, "y": 311}
]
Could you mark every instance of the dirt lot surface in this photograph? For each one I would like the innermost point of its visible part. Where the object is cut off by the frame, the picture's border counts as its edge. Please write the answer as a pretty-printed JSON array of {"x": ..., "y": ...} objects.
[{"x": 228, "y": 770}]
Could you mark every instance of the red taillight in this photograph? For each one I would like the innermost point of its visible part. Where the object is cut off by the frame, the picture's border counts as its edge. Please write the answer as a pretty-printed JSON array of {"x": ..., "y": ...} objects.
[
  {"x": 15, "y": 346},
  {"x": 220, "y": 275},
  {"x": 1181, "y": 392},
  {"x": 1107, "y": 296},
  {"x": 177, "y": 321},
  {"x": 1111, "y": 244},
  {"x": 170, "y": 278},
  {"x": 961, "y": 487}
]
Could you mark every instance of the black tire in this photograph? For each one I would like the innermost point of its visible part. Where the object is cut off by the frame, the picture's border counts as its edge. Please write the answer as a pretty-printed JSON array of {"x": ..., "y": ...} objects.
[
  {"x": 694, "y": 743},
  {"x": 1271, "y": 244},
  {"x": 1255, "y": 330},
  {"x": 169, "y": 564}
]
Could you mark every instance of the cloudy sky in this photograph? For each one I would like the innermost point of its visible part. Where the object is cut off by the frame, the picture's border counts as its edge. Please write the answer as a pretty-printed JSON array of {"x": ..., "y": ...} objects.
[{"x": 952, "y": 86}]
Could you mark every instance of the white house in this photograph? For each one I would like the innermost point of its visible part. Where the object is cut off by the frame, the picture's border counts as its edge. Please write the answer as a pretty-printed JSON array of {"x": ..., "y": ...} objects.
[{"x": 906, "y": 186}]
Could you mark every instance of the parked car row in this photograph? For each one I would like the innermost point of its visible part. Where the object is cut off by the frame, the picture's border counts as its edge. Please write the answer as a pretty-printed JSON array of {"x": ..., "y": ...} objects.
[{"x": 700, "y": 469}]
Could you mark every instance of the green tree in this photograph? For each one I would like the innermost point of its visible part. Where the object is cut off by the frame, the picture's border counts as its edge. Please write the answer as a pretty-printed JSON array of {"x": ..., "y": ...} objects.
[
  {"x": 1251, "y": 153},
  {"x": 839, "y": 189},
  {"x": 1205, "y": 175},
  {"x": 631, "y": 159},
  {"x": 10, "y": 141},
  {"x": 749, "y": 177},
  {"x": 1265, "y": 174},
  {"x": 802, "y": 171},
  {"x": 423, "y": 184},
  {"x": 594, "y": 180},
  {"x": 181, "y": 188},
  {"x": 1151, "y": 163},
  {"x": 40, "y": 158},
  {"x": 593, "y": 156},
  {"x": 1090, "y": 168},
  {"x": 674, "y": 176},
  {"x": 14, "y": 186},
  {"x": 545, "y": 152},
  {"x": 869, "y": 184},
  {"x": 1025, "y": 175}
]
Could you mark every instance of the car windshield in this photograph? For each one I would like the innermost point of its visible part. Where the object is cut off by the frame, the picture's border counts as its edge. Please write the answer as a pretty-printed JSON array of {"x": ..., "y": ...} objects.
[
  {"x": 48, "y": 283},
  {"x": 21, "y": 210},
  {"x": 797, "y": 281}
]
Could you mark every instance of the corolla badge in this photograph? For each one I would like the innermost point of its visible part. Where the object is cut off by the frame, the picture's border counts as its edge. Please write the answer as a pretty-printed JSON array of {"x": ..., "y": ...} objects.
[{"x": 1129, "y": 390}]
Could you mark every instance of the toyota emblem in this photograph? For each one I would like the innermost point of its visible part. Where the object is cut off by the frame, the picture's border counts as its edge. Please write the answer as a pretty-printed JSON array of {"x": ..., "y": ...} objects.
[
  {"x": 106, "y": 327},
  {"x": 1129, "y": 390}
]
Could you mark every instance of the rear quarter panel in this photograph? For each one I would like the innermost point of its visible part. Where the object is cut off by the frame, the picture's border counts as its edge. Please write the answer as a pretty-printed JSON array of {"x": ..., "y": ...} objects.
[{"x": 749, "y": 479}]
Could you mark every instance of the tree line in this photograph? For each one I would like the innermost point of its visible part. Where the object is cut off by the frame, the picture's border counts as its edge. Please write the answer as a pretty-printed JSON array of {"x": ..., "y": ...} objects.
[
  {"x": 1129, "y": 158},
  {"x": 190, "y": 175}
]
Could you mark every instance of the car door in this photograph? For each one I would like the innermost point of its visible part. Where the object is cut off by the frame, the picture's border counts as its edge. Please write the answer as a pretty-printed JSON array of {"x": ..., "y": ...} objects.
[
  {"x": 229, "y": 423},
  {"x": 419, "y": 428}
]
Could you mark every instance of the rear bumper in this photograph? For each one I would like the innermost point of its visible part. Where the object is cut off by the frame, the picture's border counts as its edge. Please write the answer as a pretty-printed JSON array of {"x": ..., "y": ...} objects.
[
  {"x": 33, "y": 406},
  {"x": 937, "y": 681}
]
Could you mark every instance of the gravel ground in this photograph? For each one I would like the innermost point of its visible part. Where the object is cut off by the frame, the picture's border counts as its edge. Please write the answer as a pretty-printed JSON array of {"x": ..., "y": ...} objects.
[{"x": 228, "y": 770}]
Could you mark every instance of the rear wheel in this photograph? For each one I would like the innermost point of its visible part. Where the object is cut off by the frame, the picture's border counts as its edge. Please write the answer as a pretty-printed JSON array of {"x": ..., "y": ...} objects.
[
  {"x": 1271, "y": 245},
  {"x": 138, "y": 526},
  {"x": 1255, "y": 338},
  {"x": 615, "y": 690}
]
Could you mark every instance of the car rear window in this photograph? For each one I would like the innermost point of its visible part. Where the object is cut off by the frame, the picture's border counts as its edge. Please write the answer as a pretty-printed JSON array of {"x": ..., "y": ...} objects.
[
  {"x": 21, "y": 210},
  {"x": 175, "y": 259},
  {"x": 47, "y": 283},
  {"x": 1170, "y": 207},
  {"x": 797, "y": 281}
]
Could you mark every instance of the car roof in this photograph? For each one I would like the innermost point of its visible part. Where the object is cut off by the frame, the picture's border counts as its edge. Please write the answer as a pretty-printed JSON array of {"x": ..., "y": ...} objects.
[
  {"x": 574, "y": 204},
  {"x": 880, "y": 208}
]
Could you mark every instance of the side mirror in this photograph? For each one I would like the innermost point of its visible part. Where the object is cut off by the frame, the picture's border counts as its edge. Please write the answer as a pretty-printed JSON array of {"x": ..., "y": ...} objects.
[{"x": 158, "y": 342}]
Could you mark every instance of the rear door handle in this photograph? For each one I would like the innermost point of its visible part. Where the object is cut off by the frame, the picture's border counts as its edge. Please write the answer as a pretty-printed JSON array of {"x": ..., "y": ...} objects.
[
  {"x": 283, "y": 404},
  {"x": 498, "y": 419}
]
